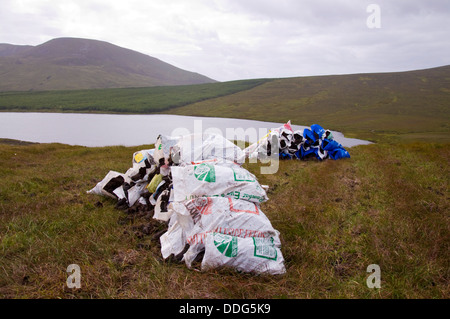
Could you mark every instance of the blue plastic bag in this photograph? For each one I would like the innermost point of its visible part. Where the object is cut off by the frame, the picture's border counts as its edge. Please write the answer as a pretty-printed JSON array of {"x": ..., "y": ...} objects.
[{"x": 319, "y": 130}]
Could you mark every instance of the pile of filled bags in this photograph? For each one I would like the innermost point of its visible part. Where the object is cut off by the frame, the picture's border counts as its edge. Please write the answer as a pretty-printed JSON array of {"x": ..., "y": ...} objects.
[
  {"x": 211, "y": 204},
  {"x": 310, "y": 143},
  {"x": 197, "y": 186}
]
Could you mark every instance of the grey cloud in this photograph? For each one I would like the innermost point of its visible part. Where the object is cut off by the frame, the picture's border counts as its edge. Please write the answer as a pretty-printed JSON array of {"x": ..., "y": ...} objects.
[{"x": 235, "y": 39}]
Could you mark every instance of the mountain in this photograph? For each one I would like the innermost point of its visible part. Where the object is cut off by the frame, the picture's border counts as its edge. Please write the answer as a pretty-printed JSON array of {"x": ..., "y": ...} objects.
[
  {"x": 74, "y": 63},
  {"x": 11, "y": 49}
]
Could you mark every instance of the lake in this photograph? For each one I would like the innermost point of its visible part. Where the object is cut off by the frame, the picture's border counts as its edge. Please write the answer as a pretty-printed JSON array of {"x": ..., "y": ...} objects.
[{"x": 131, "y": 130}]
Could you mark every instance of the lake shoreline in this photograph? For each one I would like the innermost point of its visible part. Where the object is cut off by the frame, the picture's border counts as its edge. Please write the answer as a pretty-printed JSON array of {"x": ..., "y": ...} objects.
[{"x": 97, "y": 130}]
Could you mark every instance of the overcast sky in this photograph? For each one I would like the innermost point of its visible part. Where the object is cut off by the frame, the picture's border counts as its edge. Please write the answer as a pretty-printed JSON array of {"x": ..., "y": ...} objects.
[{"x": 243, "y": 39}]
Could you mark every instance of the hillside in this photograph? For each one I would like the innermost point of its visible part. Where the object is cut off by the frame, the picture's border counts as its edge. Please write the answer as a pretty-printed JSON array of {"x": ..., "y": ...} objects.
[
  {"x": 12, "y": 50},
  {"x": 120, "y": 100},
  {"x": 412, "y": 102},
  {"x": 415, "y": 103},
  {"x": 73, "y": 63}
]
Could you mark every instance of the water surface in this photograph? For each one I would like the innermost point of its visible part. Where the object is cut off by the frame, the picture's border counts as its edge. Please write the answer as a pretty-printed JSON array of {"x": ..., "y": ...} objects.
[{"x": 130, "y": 130}]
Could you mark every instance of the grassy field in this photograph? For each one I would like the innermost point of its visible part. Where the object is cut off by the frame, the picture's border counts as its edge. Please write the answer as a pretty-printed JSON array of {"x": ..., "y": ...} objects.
[
  {"x": 386, "y": 205},
  {"x": 123, "y": 100}
]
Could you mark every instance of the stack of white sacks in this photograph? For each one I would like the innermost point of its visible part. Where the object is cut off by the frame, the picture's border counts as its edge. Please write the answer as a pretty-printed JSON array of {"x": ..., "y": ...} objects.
[
  {"x": 214, "y": 212},
  {"x": 198, "y": 186}
]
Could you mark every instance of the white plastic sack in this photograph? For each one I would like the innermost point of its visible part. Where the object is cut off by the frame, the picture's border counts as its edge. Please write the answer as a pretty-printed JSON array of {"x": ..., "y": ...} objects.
[
  {"x": 200, "y": 147},
  {"x": 259, "y": 148},
  {"x": 141, "y": 156},
  {"x": 120, "y": 193},
  {"x": 99, "y": 189},
  {"x": 251, "y": 254},
  {"x": 223, "y": 215},
  {"x": 143, "y": 164},
  {"x": 135, "y": 192},
  {"x": 173, "y": 240},
  {"x": 216, "y": 180},
  {"x": 163, "y": 146},
  {"x": 158, "y": 213}
]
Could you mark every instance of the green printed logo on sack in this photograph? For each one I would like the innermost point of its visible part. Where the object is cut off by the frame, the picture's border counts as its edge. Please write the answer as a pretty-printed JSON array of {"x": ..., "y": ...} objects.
[
  {"x": 242, "y": 175},
  {"x": 226, "y": 244},
  {"x": 205, "y": 172},
  {"x": 264, "y": 248}
]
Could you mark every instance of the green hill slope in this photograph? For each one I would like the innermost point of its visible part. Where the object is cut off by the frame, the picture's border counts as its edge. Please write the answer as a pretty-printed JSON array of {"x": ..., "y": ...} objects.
[
  {"x": 72, "y": 63},
  {"x": 122, "y": 100},
  {"x": 415, "y": 104},
  {"x": 404, "y": 102}
]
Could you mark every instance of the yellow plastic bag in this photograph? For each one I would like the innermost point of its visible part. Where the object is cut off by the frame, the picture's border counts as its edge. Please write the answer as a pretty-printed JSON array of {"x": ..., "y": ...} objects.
[{"x": 154, "y": 183}]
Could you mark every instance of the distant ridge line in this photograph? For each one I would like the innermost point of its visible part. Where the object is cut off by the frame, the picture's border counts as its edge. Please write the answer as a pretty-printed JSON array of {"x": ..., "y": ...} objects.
[{"x": 75, "y": 63}]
